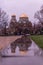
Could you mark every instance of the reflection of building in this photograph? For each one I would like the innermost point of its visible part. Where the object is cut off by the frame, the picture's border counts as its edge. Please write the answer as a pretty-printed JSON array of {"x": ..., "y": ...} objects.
[
  {"x": 23, "y": 43},
  {"x": 23, "y": 52},
  {"x": 23, "y": 47}
]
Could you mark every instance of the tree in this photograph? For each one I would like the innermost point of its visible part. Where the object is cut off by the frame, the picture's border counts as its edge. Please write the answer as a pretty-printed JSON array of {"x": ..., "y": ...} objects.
[
  {"x": 3, "y": 20},
  {"x": 39, "y": 15}
]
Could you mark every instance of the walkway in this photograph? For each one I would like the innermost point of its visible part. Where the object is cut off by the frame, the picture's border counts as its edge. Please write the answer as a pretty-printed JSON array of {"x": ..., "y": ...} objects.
[
  {"x": 6, "y": 40},
  {"x": 34, "y": 60}
]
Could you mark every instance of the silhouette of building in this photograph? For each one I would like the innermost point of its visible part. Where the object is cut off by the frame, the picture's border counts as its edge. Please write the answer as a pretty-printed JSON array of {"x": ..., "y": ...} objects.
[
  {"x": 26, "y": 24},
  {"x": 13, "y": 23},
  {"x": 23, "y": 26}
]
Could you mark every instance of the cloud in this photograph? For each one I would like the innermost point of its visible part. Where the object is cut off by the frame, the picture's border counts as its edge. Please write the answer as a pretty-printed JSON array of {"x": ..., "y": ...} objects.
[{"x": 21, "y": 6}]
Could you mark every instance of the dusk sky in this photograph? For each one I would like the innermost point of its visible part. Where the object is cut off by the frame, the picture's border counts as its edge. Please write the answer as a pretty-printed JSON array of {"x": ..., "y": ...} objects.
[{"x": 18, "y": 7}]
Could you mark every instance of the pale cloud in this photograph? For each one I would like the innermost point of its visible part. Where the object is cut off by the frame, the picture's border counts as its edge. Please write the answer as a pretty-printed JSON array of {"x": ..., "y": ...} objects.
[{"x": 21, "y": 6}]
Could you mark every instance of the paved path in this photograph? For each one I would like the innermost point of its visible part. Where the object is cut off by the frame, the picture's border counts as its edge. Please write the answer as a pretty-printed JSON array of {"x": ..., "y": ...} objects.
[
  {"x": 6, "y": 40},
  {"x": 34, "y": 60}
]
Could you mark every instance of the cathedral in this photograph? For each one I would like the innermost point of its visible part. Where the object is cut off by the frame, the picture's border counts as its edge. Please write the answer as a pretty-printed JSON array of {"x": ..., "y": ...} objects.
[{"x": 22, "y": 26}]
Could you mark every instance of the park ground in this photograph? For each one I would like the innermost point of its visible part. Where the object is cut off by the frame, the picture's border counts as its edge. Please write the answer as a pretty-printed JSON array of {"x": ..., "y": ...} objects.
[
  {"x": 22, "y": 61},
  {"x": 38, "y": 39}
]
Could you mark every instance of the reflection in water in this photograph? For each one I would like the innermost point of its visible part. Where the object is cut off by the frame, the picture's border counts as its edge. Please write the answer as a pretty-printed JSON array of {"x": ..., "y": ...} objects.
[
  {"x": 23, "y": 47},
  {"x": 13, "y": 47},
  {"x": 21, "y": 50}
]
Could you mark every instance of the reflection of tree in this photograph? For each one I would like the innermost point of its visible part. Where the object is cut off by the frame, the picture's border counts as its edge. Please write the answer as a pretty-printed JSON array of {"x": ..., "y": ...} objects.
[{"x": 13, "y": 47}]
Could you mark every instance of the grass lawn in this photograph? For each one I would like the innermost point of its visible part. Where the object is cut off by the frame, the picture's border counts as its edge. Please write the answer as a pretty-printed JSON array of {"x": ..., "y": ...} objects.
[{"x": 38, "y": 39}]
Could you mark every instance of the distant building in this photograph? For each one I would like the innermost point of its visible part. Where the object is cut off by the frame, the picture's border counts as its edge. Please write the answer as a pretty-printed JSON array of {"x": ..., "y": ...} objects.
[
  {"x": 23, "y": 26},
  {"x": 13, "y": 24},
  {"x": 23, "y": 18},
  {"x": 27, "y": 25}
]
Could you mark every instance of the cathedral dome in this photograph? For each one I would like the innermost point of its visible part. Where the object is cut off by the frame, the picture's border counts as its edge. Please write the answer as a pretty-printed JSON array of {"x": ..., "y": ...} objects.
[
  {"x": 23, "y": 15},
  {"x": 13, "y": 15}
]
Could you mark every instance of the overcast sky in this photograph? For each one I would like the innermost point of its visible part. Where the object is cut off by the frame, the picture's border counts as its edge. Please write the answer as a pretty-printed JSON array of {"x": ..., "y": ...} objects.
[{"x": 21, "y": 6}]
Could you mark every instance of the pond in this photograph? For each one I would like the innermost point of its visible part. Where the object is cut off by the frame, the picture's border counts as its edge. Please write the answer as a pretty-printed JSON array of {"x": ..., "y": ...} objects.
[
  {"x": 30, "y": 57},
  {"x": 33, "y": 50}
]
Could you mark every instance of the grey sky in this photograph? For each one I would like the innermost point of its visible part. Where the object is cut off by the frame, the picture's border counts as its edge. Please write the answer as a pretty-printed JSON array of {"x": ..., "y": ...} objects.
[{"x": 21, "y": 6}]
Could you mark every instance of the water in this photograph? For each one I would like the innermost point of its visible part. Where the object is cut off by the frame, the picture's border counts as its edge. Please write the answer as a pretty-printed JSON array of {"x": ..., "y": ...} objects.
[
  {"x": 22, "y": 58},
  {"x": 33, "y": 50}
]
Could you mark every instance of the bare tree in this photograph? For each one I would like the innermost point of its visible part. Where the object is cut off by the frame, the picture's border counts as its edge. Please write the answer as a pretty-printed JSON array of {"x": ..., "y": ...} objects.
[
  {"x": 3, "y": 20},
  {"x": 39, "y": 15}
]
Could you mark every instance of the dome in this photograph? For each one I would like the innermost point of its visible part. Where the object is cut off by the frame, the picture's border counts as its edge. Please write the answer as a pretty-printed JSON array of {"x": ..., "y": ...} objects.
[
  {"x": 13, "y": 15},
  {"x": 23, "y": 15}
]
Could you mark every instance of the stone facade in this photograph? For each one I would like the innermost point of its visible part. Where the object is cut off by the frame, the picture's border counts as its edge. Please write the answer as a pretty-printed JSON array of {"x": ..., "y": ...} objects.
[
  {"x": 20, "y": 27},
  {"x": 27, "y": 25},
  {"x": 12, "y": 24}
]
